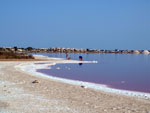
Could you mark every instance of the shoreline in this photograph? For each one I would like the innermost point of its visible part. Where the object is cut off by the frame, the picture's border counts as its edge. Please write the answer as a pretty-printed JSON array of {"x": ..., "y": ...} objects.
[
  {"x": 94, "y": 86},
  {"x": 18, "y": 94},
  {"x": 76, "y": 50}
]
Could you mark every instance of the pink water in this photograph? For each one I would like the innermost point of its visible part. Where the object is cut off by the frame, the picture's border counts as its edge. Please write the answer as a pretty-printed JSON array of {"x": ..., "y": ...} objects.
[{"x": 120, "y": 71}]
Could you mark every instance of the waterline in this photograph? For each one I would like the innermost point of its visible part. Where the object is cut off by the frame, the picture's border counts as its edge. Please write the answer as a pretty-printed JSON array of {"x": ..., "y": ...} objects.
[{"x": 32, "y": 69}]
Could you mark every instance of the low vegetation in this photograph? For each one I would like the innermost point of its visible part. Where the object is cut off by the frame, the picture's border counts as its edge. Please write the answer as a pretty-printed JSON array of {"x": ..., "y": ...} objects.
[{"x": 14, "y": 55}]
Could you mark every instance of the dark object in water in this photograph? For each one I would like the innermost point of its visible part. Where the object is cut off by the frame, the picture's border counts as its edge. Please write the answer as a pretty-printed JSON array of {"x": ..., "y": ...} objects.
[
  {"x": 80, "y": 64},
  {"x": 68, "y": 58},
  {"x": 66, "y": 55},
  {"x": 80, "y": 57}
]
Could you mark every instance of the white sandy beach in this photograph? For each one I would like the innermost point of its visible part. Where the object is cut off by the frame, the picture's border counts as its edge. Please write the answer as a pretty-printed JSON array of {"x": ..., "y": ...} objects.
[{"x": 19, "y": 95}]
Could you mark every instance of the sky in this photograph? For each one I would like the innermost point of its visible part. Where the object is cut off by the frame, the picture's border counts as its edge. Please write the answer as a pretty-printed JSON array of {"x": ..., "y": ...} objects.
[{"x": 99, "y": 24}]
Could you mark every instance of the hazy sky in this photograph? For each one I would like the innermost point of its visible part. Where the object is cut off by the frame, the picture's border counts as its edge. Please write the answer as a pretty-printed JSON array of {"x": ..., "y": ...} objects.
[{"x": 103, "y": 24}]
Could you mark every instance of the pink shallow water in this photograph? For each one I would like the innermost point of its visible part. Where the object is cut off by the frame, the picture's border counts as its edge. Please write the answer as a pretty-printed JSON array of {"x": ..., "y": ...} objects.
[{"x": 121, "y": 71}]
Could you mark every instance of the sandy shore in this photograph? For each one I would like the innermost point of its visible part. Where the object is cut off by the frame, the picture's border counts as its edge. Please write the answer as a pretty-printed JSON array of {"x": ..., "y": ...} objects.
[{"x": 19, "y": 95}]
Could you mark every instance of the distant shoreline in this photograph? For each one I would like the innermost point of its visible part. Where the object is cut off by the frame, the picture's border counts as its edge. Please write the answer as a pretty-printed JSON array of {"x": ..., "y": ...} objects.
[{"x": 71, "y": 50}]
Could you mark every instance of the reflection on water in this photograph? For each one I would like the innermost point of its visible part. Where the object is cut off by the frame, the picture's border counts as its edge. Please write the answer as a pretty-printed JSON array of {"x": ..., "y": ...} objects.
[
  {"x": 122, "y": 71},
  {"x": 80, "y": 64}
]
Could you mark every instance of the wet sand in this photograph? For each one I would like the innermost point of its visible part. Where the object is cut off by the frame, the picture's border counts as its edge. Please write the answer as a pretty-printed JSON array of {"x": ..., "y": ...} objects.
[{"x": 19, "y": 95}]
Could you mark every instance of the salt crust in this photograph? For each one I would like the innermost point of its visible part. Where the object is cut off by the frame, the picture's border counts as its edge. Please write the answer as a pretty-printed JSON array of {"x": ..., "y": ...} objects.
[{"x": 32, "y": 67}]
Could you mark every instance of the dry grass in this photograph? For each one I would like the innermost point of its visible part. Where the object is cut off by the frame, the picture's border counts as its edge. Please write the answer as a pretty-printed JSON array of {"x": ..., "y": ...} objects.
[{"x": 13, "y": 55}]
